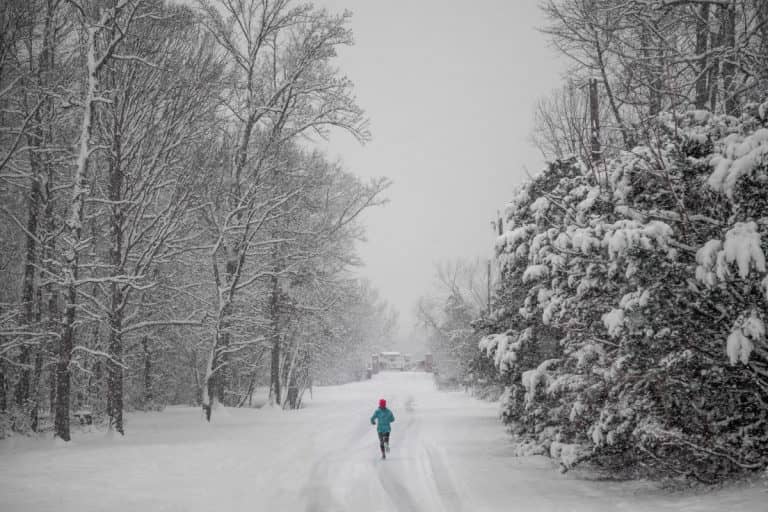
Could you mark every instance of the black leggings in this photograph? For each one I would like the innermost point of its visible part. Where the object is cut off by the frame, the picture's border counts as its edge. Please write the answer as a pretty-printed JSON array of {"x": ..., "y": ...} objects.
[{"x": 383, "y": 438}]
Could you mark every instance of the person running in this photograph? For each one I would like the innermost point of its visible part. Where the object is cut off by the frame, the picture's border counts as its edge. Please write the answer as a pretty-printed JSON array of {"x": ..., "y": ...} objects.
[{"x": 383, "y": 418}]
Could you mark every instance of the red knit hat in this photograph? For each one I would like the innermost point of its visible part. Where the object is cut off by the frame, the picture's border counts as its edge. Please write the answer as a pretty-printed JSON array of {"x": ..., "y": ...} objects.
[{"x": 382, "y": 403}]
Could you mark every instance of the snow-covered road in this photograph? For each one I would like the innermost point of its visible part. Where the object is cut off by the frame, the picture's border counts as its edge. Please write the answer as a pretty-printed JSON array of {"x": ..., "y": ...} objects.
[{"x": 449, "y": 453}]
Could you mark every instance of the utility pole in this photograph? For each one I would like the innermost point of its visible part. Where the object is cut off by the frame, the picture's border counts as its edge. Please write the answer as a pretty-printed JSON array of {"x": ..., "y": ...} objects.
[{"x": 488, "y": 284}]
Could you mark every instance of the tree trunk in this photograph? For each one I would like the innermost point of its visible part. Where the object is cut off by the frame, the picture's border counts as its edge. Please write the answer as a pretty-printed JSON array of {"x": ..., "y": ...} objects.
[
  {"x": 115, "y": 370},
  {"x": 43, "y": 122},
  {"x": 657, "y": 85},
  {"x": 213, "y": 385},
  {"x": 628, "y": 140},
  {"x": 762, "y": 15},
  {"x": 761, "y": 7},
  {"x": 714, "y": 69},
  {"x": 274, "y": 390},
  {"x": 53, "y": 321},
  {"x": 248, "y": 396},
  {"x": 52, "y": 289},
  {"x": 303, "y": 380},
  {"x": 729, "y": 62},
  {"x": 206, "y": 393},
  {"x": 594, "y": 121},
  {"x": 653, "y": 71},
  {"x": 114, "y": 364},
  {"x": 220, "y": 389},
  {"x": 52, "y": 391},
  {"x": 275, "y": 369},
  {"x": 3, "y": 387},
  {"x": 196, "y": 375},
  {"x": 291, "y": 390},
  {"x": 75, "y": 228},
  {"x": 38, "y": 371},
  {"x": 66, "y": 343},
  {"x": 28, "y": 294},
  {"x": 34, "y": 411},
  {"x": 702, "y": 43},
  {"x": 216, "y": 380},
  {"x": 148, "y": 396},
  {"x": 3, "y": 392}
]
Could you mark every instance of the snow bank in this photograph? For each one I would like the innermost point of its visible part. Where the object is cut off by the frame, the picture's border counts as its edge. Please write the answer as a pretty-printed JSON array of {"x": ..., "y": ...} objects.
[{"x": 528, "y": 448}]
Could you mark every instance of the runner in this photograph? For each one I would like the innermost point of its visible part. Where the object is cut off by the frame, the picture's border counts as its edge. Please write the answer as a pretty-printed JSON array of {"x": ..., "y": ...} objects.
[{"x": 382, "y": 418}]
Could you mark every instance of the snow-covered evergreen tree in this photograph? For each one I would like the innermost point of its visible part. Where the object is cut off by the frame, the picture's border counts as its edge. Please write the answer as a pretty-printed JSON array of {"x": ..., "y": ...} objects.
[{"x": 630, "y": 319}]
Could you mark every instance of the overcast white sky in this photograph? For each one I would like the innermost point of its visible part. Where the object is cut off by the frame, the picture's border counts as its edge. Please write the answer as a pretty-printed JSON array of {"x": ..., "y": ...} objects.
[{"x": 449, "y": 87}]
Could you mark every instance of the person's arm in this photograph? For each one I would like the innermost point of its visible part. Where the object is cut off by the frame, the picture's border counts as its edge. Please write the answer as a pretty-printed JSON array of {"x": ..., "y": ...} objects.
[
  {"x": 373, "y": 418},
  {"x": 391, "y": 417}
]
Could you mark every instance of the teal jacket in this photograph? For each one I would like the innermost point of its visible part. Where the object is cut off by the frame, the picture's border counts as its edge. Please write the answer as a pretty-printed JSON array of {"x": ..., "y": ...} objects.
[{"x": 382, "y": 418}]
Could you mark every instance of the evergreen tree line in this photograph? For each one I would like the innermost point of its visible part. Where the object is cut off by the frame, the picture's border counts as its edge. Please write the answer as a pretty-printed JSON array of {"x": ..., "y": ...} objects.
[
  {"x": 169, "y": 235},
  {"x": 627, "y": 326}
]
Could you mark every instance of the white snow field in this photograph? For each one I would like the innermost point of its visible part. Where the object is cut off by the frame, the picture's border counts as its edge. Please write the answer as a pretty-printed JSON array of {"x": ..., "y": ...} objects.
[{"x": 449, "y": 453}]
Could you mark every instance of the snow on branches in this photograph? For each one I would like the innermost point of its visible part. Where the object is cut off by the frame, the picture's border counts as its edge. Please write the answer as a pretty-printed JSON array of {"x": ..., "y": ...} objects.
[
  {"x": 742, "y": 246},
  {"x": 614, "y": 321},
  {"x": 504, "y": 348},
  {"x": 740, "y": 156},
  {"x": 602, "y": 273},
  {"x": 537, "y": 378},
  {"x": 748, "y": 330},
  {"x": 627, "y": 235},
  {"x": 535, "y": 272}
]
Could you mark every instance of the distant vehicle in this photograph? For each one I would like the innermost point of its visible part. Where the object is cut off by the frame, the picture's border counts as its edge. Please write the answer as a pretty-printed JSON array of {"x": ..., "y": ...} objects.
[{"x": 392, "y": 361}]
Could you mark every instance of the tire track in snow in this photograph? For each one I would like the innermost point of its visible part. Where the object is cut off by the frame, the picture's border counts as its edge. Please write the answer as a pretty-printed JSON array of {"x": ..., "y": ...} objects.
[
  {"x": 318, "y": 489},
  {"x": 397, "y": 492},
  {"x": 319, "y": 495},
  {"x": 436, "y": 479},
  {"x": 394, "y": 472},
  {"x": 446, "y": 489},
  {"x": 413, "y": 478}
]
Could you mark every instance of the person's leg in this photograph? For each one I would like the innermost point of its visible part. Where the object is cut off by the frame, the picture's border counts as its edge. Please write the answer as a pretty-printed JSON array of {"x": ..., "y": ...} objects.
[
  {"x": 386, "y": 440},
  {"x": 381, "y": 443}
]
